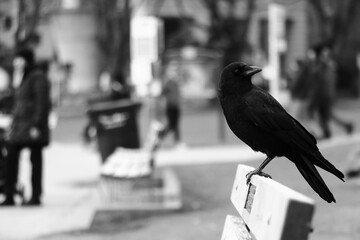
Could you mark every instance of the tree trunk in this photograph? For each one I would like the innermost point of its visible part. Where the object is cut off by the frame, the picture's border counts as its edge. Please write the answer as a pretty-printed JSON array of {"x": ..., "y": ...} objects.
[
  {"x": 114, "y": 37},
  {"x": 229, "y": 32}
]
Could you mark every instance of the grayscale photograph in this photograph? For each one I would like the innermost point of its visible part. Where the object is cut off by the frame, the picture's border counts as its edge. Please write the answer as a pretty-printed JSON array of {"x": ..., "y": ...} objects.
[{"x": 179, "y": 119}]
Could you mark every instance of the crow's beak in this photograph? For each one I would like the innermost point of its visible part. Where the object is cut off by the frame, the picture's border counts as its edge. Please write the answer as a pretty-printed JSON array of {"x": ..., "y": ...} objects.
[{"x": 251, "y": 71}]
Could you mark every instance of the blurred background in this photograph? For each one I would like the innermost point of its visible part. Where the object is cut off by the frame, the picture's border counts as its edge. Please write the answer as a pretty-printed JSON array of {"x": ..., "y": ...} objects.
[{"x": 108, "y": 62}]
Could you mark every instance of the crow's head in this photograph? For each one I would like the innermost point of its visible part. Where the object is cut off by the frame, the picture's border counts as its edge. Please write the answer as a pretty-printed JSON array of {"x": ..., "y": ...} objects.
[{"x": 237, "y": 75}]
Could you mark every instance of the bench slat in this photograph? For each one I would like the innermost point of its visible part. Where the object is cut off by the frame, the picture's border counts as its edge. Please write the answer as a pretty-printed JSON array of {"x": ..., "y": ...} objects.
[
  {"x": 271, "y": 210},
  {"x": 235, "y": 229}
]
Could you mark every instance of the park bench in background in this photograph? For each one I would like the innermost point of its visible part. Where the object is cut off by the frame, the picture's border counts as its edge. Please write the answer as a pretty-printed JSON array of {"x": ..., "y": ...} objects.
[
  {"x": 268, "y": 210},
  {"x": 132, "y": 186}
]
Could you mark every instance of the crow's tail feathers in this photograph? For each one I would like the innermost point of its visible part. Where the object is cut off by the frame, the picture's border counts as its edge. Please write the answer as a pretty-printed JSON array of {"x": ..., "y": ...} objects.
[
  {"x": 321, "y": 162},
  {"x": 312, "y": 176}
]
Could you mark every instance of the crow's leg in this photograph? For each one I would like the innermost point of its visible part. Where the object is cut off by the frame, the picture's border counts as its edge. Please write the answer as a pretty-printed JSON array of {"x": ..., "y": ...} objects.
[{"x": 258, "y": 171}]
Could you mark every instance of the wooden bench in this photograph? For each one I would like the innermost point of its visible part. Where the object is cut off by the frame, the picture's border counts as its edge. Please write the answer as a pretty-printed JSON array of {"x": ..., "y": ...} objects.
[
  {"x": 129, "y": 179},
  {"x": 127, "y": 163},
  {"x": 268, "y": 210}
]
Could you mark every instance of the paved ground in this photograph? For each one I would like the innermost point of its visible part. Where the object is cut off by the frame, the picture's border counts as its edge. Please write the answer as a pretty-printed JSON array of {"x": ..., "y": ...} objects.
[
  {"x": 71, "y": 175},
  {"x": 206, "y": 191}
]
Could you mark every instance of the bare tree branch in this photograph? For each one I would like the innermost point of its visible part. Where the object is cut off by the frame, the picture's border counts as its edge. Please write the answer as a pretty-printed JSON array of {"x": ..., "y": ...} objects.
[
  {"x": 321, "y": 16},
  {"x": 250, "y": 13},
  {"x": 336, "y": 19},
  {"x": 21, "y": 21},
  {"x": 350, "y": 14},
  {"x": 157, "y": 6},
  {"x": 228, "y": 30},
  {"x": 35, "y": 18}
]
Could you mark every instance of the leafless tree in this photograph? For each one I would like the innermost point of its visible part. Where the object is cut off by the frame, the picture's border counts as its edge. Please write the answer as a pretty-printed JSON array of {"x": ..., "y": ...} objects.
[
  {"x": 337, "y": 24},
  {"x": 114, "y": 35},
  {"x": 228, "y": 31},
  {"x": 335, "y": 19},
  {"x": 29, "y": 14},
  {"x": 27, "y": 20}
]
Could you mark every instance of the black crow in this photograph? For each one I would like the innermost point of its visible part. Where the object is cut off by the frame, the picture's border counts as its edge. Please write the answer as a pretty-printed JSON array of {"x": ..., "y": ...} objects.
[{"x": 263, "y": 124}]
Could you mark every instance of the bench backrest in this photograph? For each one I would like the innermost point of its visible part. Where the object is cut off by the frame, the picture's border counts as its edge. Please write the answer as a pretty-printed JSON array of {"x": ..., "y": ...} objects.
[{"x": 268, "y": 210}]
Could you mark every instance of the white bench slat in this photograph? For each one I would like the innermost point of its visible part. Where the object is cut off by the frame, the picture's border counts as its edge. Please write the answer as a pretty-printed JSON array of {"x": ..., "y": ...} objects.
[
  {"x": 235, "y": 229},
  {"x": 271, "y": 210},
  {"x": 128, "y": 163}
]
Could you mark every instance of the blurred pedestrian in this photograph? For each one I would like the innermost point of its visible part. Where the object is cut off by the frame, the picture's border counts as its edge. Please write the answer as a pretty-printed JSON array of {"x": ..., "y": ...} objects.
[
  {"x": 354, "y": 157},
  {"x": 323, "y": 93},
  {"x": 353, "y": 169},
  {"x": 172, "y": 95},
  {"x": 6, "y": 102},
  {"x": 300, "y": 87},
  {"x": 4, "y": 80},
  {"x": 29, "y": 128},
  {"x": 6, "y": 93}
]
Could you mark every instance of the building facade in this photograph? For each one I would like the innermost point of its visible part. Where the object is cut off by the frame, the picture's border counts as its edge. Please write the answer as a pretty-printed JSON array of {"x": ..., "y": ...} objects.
[{"x": 68, "y": 30}]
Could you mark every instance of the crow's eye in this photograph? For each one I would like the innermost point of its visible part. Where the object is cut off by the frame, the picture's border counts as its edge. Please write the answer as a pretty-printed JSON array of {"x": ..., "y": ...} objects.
[{"x": 236, "y": 70}]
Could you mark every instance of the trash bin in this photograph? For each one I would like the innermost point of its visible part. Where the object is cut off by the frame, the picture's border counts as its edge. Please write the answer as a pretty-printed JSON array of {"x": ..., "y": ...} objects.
[{"x": 116, "y": 125}]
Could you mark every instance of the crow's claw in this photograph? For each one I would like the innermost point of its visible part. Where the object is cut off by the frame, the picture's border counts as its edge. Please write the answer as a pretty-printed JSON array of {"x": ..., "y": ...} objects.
[{"x": 255, "y": 172}]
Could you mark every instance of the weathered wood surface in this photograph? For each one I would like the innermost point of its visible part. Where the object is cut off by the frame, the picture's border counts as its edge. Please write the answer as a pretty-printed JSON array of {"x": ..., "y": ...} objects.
[
  {"x": 134, "y": 163},
  {"x": 128, "y": 163},
  {"x": 271, "y": 210},
  {"x": 235, "y": 229},
  {"x": 161, "y": 190}
]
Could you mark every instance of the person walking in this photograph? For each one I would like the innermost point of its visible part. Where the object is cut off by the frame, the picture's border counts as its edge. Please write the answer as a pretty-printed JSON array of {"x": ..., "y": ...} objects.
[
  {"x": 6, "y": 93},
  {"x": 6, "y": 102},
  {"x": 322, "y": 96},
  {"x": 29, "y": 128},
  {"x": 354, "y": 157},
  {"x": 172, "y": 96},
  {"x": 300, "y": 87}
]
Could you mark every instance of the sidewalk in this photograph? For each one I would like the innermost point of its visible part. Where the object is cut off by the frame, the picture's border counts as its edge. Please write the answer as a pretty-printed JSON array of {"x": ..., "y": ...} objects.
[
  {"x": 71, "y": 177},
  {"x": 71, "y": 174}
]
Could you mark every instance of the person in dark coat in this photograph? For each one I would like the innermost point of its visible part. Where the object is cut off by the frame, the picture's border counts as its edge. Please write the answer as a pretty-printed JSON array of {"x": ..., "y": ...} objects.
[
  {"x": 29, "y": 128},
  {"x": 323, "y": 94},
  {"x": 172, "y": 95},
  {"x": 6, "y": 102},
  {"x": 300, "y": 88}
]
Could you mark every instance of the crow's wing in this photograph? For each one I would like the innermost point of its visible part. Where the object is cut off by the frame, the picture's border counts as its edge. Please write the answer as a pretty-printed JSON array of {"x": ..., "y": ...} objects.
[{"x": 266, "y": 113}]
